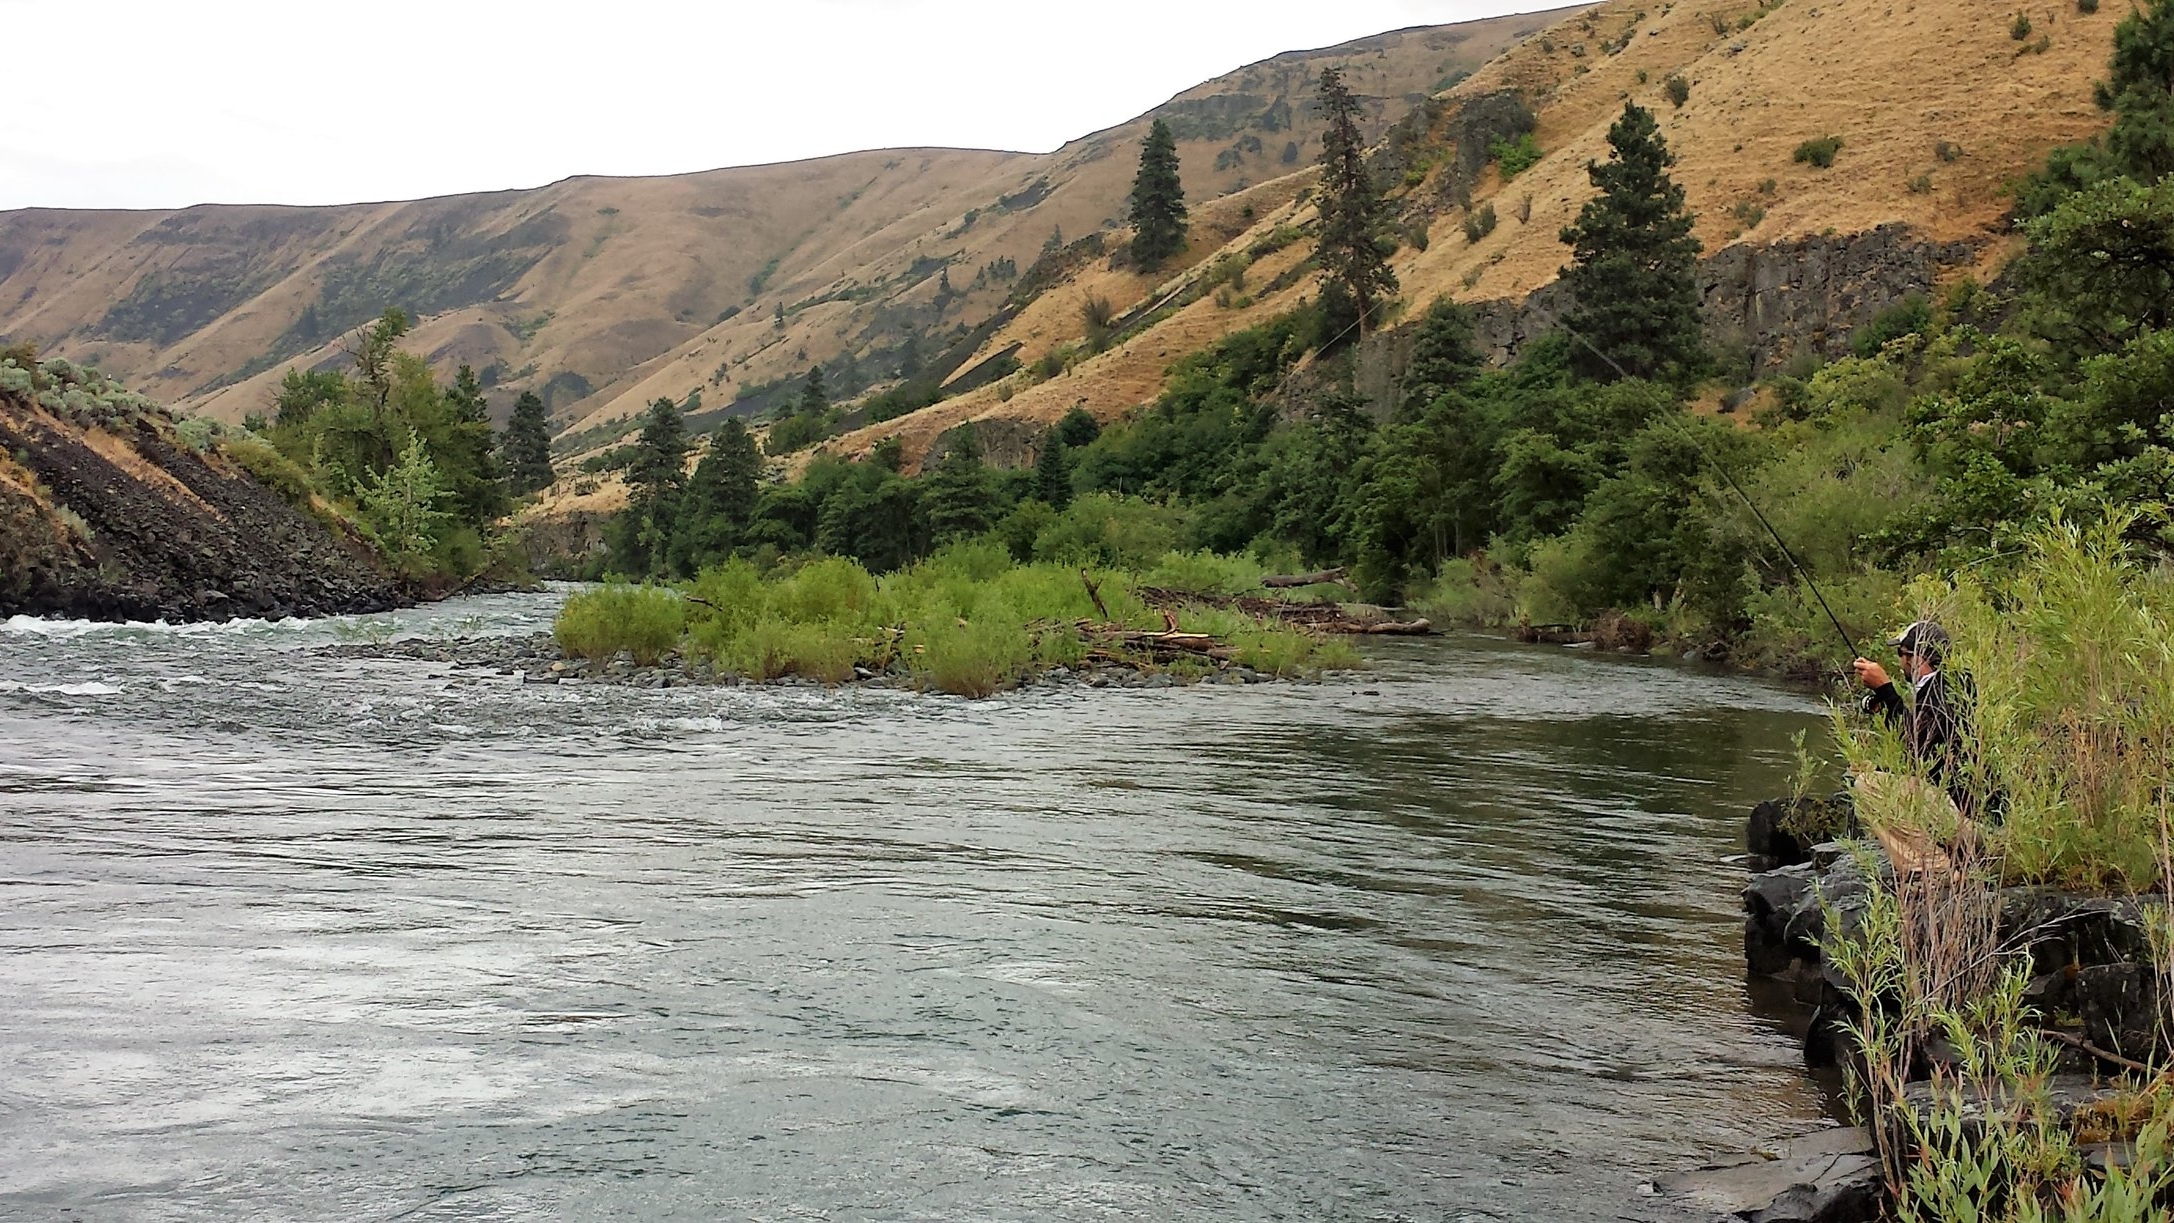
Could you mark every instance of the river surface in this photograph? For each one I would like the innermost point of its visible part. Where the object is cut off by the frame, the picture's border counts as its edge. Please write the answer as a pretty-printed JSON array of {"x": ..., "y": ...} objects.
[{"x": 299, "y": 937}]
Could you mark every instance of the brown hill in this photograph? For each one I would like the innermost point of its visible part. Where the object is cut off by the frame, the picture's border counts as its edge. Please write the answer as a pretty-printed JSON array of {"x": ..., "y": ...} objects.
[
  {"x": 604, "y": 293},
  {"x": 1936, "y": 104}
]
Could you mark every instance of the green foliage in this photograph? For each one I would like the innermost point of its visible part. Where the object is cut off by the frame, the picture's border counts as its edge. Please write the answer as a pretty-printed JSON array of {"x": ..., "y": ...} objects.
[
  {"x": 526, "y": 447},
  {"x": 1158, "y": 200},
  {"x": 2020, "y": 28},
  {"x": 641, "y": 621},
  {"x": 967, "y": 620},
  {"x": 1350, "y": 245},
  {"x": 1678, "y": 89},
  {"x": 1633, "y": 259},
  {"x": 416, "y": 458},
  {"x": 1818, "y": 152},
  {"x": 401, "y": 502},
  {"x": 1515, "y": 156},
  {"x": 1912, "y": 316},
  {"x": 718, "y": 506}
]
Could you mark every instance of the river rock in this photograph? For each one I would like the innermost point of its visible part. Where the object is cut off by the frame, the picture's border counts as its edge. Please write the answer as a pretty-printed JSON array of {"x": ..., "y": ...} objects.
[
  {"x": 1829, "y": 1176},
  {"x": 1782, "y": 831}
]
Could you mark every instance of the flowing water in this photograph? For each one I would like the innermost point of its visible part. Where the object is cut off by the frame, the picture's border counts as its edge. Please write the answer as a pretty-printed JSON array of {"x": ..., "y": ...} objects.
[{"x": 285, "y": 935}]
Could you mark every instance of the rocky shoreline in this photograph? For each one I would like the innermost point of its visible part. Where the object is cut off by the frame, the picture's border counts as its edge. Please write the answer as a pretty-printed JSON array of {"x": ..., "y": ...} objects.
[
  {"x": 2090, "y": 961},
  {"x": 537, "y": 659}
]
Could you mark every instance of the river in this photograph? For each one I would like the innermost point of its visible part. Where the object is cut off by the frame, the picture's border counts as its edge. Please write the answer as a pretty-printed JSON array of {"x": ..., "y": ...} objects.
[{"x": 285, "y": 935}]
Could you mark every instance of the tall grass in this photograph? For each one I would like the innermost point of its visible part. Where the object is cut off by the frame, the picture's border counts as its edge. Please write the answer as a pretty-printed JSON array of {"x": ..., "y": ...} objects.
[
  {"x": 968, "y": 620},
  {"x": 2067, "y": 658},
  {"x": 643, "y": 621}
]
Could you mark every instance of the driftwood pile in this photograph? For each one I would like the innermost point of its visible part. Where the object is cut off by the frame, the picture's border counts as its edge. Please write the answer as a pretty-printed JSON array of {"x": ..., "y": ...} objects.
[{"x": 1321, "y": 617}]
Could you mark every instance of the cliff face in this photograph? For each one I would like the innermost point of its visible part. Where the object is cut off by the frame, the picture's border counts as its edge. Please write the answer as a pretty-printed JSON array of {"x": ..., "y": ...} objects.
[
  {"x": 1772, "y": 302},
  {"x": 107, "y": 513}
]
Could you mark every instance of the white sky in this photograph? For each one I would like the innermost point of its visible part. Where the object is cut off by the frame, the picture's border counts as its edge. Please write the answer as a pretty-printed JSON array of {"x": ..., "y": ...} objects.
[{"x": 163, "y": 103}]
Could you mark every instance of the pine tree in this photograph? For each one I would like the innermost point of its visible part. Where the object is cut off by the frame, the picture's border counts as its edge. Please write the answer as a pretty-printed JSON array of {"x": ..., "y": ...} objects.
[
  {"x": 526, "y": 446},
  {"x": 1053, "y": 470},
  {"x": 1158, "y": 200},
  {"x": 1635, "y": 299},
  {"x": 466, "y": 396},
  {"x": 1351, "y": 247},
  {"x": 719, "y": 503},
  {"x": 1444, "y": 358},
  {"x": 642, "y": 534},
  {"x": 659, "y": 467},
  {"x": 2141, "y": 93},
  {"x": 958, "y": 495},
  {"x": 814, "y": 396}
]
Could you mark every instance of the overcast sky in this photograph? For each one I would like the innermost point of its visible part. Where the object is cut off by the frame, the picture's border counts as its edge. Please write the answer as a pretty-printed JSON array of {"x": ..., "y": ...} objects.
[{"x": 162, "y": 103}]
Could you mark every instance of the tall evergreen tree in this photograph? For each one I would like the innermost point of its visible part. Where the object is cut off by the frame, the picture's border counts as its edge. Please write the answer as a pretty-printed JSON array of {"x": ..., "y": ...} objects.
[
  {"x": 958, "y": 496},
  {"x": 814, "y": 396},
  {"x": 719, "y": 504},
  {"x": 1158, "y": 200},
  {"x": 1351, "y": 246},
  {"x": 526, "y": 446},
  {"x": 655, "y": 477},
  {"x": 466, "y": 396},
  {"x": 1634, "y": 298},
  {"x": 2141, "y": 93},
  {"x": 1444, "y": 358},
  {"x": 1053, "y": 470}
]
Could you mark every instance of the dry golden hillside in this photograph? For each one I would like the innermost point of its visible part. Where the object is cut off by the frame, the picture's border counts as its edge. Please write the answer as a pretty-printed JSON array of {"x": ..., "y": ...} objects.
[
  {"x": 605, "y": 293},
  {"x": 1937, "y": 107}
]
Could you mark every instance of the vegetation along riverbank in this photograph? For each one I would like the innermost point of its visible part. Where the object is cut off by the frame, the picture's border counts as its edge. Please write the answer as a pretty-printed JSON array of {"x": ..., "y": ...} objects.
[
  {"x": 1999, "y": 992},
  {"x": 968, "y": 620}
]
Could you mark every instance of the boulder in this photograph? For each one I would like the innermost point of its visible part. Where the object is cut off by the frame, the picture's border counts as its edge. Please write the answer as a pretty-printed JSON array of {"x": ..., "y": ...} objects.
[{"x": 1828, "y": 1176}]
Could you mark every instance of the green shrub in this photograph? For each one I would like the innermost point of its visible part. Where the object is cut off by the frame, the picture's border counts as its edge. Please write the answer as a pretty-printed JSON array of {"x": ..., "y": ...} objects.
[
  {"x": 1463, "y": 594},
  {"x": 1678, "y": 89},
  {"x": 1921, "y": 185},
  {"x": 1515, "y": 156},
  {"x": 2020, "y": 28},
  {"x": 2087, "y": 7},
  {"x": 1478, "y": 225},
  {"x": 974, "y": 659},
  {"x": 1818, "y": 152},
  {"x": 644, "y": 621}
]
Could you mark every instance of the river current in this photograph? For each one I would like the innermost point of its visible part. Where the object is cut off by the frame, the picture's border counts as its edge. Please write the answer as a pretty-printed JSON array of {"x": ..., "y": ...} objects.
[{"x": 292, "y": 936}]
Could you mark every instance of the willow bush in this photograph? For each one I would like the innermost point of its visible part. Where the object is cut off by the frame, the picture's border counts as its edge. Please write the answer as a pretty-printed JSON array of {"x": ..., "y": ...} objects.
[
  {"x": 2066, "y": 657},
  {"x": 968, "y": 620}
]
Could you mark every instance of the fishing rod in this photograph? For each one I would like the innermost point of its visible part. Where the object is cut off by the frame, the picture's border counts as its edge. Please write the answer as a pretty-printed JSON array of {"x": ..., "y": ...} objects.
[{"x": 1728, "y": 477}]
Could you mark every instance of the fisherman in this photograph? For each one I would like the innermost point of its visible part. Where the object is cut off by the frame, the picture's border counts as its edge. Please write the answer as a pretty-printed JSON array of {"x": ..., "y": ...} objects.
[{"x": 1935, "y": 721}]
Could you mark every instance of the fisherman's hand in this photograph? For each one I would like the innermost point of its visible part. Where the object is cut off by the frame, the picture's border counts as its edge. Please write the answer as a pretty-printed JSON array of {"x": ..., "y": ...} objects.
[{"x": 1871, "y": 674}]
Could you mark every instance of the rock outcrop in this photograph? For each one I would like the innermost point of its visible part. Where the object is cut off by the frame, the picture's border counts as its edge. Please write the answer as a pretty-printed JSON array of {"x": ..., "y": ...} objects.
[
  {"x": 114, "y": 516},
  {"x": 1771, "y": 302}
]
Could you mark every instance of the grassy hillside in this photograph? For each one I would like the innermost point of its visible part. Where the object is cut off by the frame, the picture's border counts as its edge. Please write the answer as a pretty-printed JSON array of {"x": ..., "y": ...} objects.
[
  {"x": 1936, "y": 107},
  {"x": 601, "y": 294}
]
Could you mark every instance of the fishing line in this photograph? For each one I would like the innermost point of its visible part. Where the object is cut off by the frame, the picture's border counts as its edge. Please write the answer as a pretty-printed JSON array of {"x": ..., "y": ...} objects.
[{"x": 1726, "y": 476}]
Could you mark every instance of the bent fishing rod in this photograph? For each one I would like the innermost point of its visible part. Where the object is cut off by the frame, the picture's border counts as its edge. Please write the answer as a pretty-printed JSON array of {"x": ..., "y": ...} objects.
[{"x": 1726, "y": 475}]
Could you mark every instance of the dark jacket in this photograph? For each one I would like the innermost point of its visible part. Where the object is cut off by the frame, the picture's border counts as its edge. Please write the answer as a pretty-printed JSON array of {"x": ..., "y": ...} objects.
[{"x": 1935, "y": 727}]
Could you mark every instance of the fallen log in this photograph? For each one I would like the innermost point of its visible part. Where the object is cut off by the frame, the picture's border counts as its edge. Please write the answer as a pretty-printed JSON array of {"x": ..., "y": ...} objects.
[
  {"x": 1339, "y": 576},
  {"x": 1382, "y": 628}
]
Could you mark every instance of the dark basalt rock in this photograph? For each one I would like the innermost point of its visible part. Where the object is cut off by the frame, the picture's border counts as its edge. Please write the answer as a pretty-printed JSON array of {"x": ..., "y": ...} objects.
[
  {"x": 1782, "y": 832},
  {"x": 139, "y": 526}
]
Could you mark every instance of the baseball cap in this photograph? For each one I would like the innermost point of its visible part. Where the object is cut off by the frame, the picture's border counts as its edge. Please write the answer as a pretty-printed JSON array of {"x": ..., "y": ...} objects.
[{"x": 1924, "y": 639}]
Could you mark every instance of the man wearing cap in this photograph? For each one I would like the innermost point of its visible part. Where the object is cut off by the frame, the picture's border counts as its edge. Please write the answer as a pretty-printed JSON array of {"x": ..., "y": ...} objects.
[{"x": 1933, "y": 721}]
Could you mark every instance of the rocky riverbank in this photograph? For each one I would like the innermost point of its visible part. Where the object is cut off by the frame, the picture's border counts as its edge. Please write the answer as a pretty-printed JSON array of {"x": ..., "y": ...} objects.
[
  {"x": 107, "y": 512},
  {"x": 537, "y": 659},
  {"x": 2092, "y": 974}
]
